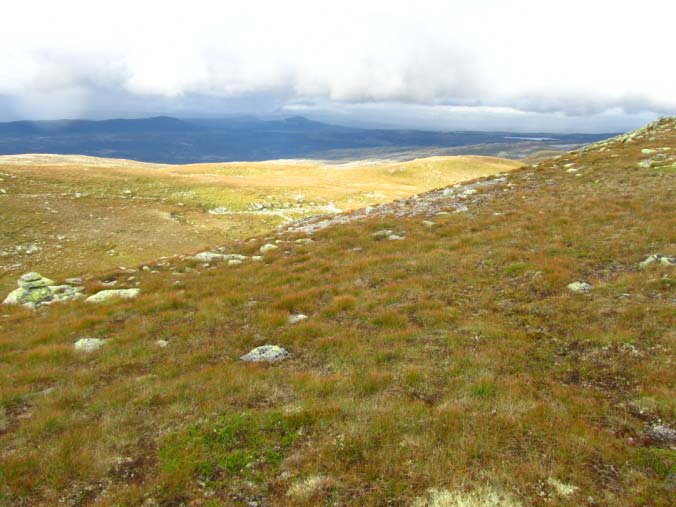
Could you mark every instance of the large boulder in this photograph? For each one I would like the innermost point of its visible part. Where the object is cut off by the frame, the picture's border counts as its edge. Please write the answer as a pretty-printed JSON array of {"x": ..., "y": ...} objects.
[
  {"x": 265, "y": 353},
  {"x": 104, "y": 295},
  {"x": 35, "y": 290}
]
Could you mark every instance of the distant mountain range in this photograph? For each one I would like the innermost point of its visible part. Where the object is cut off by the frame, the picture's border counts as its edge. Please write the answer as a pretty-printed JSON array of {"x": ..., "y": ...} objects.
[{"x": 179, "y": 141}]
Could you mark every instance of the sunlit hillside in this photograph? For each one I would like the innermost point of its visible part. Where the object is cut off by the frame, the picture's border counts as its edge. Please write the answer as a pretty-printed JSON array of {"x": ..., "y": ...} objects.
[
  {"x": 503, "y": 342},
  {"x": 72, "y": 216}
]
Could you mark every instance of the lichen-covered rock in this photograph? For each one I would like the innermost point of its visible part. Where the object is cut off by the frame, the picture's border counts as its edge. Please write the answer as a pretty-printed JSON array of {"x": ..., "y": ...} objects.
[
  {"x": 659, "y": 259},
  {"x": 268, "y": 247},
  {"x": 88, "y": 344},
  {"x": 265, "y": 353},
  {"x": 579, "y": 287},
  {"x": 35, "y": 290},
  {"x": 104, "y": 295}
]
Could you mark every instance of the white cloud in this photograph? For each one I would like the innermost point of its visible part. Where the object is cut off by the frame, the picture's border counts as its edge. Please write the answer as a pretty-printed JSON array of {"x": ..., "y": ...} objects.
[{"x": 575, "y": 57}]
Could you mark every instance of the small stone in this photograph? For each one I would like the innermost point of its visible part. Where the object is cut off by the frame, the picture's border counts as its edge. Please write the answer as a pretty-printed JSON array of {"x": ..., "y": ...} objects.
[
  {"x": 162, "y": 343},
  {"x": 88, "y": 344},
  {"x": 579, "y": 287},
  {"x": 394, "y": 237},
  {"x": 428, "y": 223},
  {"x": 73, "y": 281},
  {"x": 265, "y": 353},
  {"x": 257, "y": 258},
  {"x": 304, "y": 241},
  {"x": 234, "y": 262},
  {"x": 648, "y": 151},
  {"x": 296, "y": 318},
  {"x": 268, "y": 247}
]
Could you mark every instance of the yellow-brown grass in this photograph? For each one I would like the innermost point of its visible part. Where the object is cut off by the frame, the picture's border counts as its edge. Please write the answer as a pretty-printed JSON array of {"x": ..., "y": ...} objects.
[{"x": 452, "y": 366}]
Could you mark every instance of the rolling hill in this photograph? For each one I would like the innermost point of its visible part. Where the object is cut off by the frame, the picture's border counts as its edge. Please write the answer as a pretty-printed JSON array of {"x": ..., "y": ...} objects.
[
  {"x": 505, "y": 341},
  {"x": 182, "y": 141}
]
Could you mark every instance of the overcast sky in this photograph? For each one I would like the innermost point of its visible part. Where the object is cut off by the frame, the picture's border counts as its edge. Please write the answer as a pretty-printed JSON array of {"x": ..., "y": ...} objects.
[{"x": 591, "y": 65}]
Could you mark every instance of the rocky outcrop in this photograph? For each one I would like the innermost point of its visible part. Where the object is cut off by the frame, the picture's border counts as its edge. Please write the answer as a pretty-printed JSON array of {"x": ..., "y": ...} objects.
[{"x": 36, "y": 290}]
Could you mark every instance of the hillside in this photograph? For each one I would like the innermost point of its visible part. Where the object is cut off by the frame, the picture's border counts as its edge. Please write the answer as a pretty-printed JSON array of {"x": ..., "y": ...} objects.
[
  {"x": 72, "y": 215},
  {"x": 444, "y": 361},
  {"x": 183, "y": 141}
]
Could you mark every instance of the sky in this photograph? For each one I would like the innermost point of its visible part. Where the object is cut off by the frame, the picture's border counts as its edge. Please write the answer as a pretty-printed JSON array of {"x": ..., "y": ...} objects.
[{"x": 521, "y": 65}]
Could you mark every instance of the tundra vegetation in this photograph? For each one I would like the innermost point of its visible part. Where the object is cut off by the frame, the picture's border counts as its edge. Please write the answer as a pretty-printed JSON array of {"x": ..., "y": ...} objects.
[{"x": 450, "y": 367}]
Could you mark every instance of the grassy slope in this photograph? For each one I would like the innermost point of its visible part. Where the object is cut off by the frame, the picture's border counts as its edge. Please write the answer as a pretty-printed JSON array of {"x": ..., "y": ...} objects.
[
  {"x": 454, "y": 360},
  {"x": 89, "y": 214}
]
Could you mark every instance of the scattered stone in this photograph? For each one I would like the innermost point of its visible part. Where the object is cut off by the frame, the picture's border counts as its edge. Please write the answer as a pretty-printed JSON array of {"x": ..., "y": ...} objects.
[
  {"x": 218, "y": 211},
  {"x": 571, "y": 170},
  {"x": 104, "y": 295},
  {"x": 257, "y": 258},
  {"x": 88, "y": 344},
  {"x": 395, "y": 237},
  {"x": 579, "y": 287},
  {"x": 296, "y": 318},
  {"x": 162, "y": 343},
  {"x": 268, "y": 247},
  {"x": 304, "y": 241},
  {"x": 645, "y": 164},
  {"x": 35, "y": 290},
  {"x": 74, "y": 281},
  {"x": 428, "y": 223},
  {"x": 648, "y": 151},
  {"x": 234, "y": 262},
  {"x": 660, "y": 259},
  {"x": 266, "y": 353}
]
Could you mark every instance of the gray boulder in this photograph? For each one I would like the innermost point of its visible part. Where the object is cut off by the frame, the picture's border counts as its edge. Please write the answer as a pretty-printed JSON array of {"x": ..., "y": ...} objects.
[
  {"x": 268, "y": 247},
  {"x": 104, "y": 295},
  {"x": 265, "y": 353}
]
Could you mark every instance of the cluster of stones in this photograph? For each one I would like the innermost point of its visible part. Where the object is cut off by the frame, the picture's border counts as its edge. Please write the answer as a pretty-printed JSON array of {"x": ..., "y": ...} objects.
[
  {"x": 35, "y": 290},
  {"x": 231, "y": 259}
]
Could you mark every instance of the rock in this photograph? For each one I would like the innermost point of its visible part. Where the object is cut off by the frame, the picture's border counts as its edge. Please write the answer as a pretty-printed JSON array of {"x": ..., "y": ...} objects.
[
  {"x": 579, "y": 287},
  {"x": 268, "y": 247},
  {"x": 73, "y": 281},
  {"x": 662, "y": 435},
  {"x": 208, "y": 256},
  {"x": 660, "y": 259},
  {"x": 35, "y": 290},
  {"x": 162, "y": 343},
  {"x": 296, "y": 318},
  {"x": 265, "y": 353},
  {"x": 257, "y": 258},
  {"x": 394, "y": 237},
  {"x": 88, "y": 344},
  {"x": 645, "y": 164},
  {"x": 104, "y": 295},
  {"x": 648, "y": 151},
  {"x": 304, "y": 241},
  {"x": 382, "y": 234},
  {"x": 234, "y": 262},
  {"x": 428, "y": 223},
  {"x": 218, "y": 211}
]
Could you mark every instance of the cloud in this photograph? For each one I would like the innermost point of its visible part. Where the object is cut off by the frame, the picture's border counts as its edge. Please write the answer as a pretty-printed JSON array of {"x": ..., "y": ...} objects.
[{"x": 577, "y": 58}]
